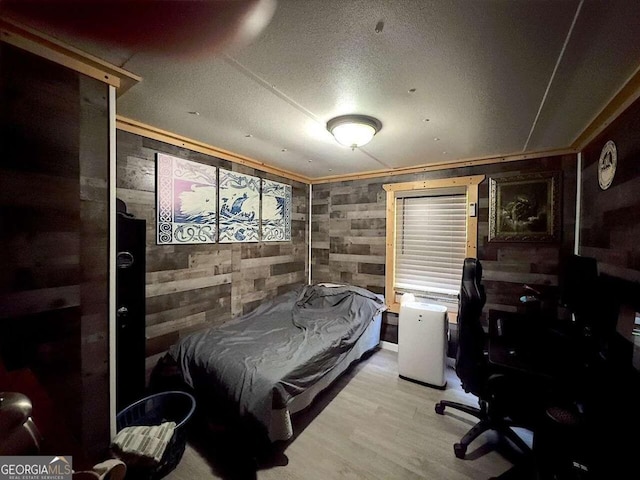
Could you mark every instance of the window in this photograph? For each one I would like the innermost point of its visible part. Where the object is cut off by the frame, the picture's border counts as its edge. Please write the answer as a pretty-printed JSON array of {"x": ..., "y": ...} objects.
[
  {"x": 431, "y": 241},
  {"x": 430, "y": 231}
]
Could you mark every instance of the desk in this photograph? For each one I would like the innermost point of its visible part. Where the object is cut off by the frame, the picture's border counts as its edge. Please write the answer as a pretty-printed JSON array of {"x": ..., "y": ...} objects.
[
  {"x": 601, "y": 392},
  {"x": 504, "y": 354},
  {"x": 557, "y": 361},
  {"x": 519, "y": 343},
  {"x": 516, "y": 343}
]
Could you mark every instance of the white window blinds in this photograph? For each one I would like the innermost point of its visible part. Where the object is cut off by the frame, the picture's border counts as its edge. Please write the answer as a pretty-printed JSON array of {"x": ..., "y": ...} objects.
[{"x": 431, "y": 242}]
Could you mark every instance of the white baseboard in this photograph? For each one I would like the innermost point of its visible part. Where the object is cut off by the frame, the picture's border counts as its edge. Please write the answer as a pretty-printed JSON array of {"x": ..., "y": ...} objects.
[{"x": 389, "y": 346}]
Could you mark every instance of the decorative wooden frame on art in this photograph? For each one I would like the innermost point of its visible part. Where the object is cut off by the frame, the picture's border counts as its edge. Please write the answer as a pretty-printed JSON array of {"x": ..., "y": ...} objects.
[{"x": 525, "y": 208}]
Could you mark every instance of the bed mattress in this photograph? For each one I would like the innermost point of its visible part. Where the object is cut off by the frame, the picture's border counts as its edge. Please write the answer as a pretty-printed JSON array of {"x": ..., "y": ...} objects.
[{"x": 274, "y": 360}]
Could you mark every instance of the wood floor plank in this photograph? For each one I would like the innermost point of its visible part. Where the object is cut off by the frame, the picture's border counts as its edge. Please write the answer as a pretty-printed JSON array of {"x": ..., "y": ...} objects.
[{"x": 371, "y": 424}]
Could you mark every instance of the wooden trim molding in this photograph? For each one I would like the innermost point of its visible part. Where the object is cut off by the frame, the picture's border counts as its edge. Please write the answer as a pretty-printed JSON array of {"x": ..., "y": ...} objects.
[
  {"x": 112, "y": 263},
  {"x": 29, "y": 39},
  {"x": 390, "y": 258},
  {"x": 430, "y": 167},
  {"x": 471, "y": 183},
  {"x": 40, "y": 44},
  {"x": 623, "y": 99},
  {"x": 437, "y": 183},
  {"x": 139, "y": 128}
]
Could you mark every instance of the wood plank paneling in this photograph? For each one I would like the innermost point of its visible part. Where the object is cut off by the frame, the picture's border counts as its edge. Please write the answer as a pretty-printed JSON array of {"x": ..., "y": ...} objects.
[
  {"x": 190, "y": 287},
  {"x": 610, "y": 222},
  {"x": 348, "y": 236},
  {"x": 54, "y": 207}
]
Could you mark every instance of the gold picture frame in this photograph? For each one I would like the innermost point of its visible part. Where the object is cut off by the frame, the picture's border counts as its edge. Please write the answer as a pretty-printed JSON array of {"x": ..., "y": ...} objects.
[{"x": 525, "y": 208}]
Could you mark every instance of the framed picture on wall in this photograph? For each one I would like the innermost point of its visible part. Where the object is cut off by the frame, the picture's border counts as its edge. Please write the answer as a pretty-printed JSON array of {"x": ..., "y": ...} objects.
[
  {"x": 185, "y": 201},
  {"x": 239, "y": 209},
  {"x": 276, "y": 211},
  {"x": 525, "y": 208}
]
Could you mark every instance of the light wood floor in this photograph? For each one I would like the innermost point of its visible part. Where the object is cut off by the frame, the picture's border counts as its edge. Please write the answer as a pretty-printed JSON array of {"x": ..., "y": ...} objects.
[{"x": 369, "y": 425}]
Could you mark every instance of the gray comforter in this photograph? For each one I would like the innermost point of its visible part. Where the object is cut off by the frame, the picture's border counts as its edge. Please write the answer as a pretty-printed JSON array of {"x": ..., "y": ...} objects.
[{"x": 263, "y": 359}]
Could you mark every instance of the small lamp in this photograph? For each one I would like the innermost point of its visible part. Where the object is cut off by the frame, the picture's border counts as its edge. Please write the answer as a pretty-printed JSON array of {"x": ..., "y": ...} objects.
[{"x": 354, "y": 130}]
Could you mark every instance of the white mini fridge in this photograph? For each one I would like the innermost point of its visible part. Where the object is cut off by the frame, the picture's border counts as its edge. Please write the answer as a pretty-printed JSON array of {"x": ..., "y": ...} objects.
[{"x": 423, "y": 331}]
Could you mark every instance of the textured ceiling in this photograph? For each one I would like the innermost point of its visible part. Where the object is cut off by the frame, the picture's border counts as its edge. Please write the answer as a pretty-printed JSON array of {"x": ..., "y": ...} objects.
[{"x": 491, "y": 77}]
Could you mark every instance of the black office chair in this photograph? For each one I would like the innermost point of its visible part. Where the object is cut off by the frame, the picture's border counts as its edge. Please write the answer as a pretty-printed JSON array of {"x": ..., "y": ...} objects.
[{"x": 498, "y": 408}]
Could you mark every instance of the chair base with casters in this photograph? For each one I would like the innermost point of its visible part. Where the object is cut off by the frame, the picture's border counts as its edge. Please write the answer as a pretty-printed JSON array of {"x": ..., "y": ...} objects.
[{"x": 487, "y": 422}]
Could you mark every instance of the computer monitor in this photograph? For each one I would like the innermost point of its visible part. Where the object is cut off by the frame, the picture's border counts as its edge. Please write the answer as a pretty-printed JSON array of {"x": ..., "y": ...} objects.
[
  {"x": 591, "y": 298},
  {"x": 578, "y": 283}
]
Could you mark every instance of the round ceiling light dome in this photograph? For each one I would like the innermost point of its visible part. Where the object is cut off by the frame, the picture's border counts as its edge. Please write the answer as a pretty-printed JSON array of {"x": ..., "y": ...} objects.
[{"x": 354, "y": 130}]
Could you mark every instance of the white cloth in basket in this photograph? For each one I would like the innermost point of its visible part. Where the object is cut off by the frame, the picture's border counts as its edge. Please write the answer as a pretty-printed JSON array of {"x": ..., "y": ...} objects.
[{"x": 143, "y": 445}]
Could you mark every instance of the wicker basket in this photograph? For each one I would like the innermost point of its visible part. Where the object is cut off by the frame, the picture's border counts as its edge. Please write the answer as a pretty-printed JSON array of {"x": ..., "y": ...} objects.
[{"x": 174, "y": 406}]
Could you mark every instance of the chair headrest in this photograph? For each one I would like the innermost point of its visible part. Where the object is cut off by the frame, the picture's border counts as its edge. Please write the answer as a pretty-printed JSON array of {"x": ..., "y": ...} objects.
[{"x": 472, "y": 270}]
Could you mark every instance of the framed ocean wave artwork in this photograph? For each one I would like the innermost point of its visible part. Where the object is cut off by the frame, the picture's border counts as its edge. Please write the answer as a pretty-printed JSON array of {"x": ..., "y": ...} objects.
[
  {"x": 239, "y": 207},
  {"x": 276, "y": 211},
  {"x": 185, "y": 202}
]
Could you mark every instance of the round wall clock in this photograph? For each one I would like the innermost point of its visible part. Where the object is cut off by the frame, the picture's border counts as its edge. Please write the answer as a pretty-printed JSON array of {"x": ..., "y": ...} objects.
[{"x": 607, "y": 164}]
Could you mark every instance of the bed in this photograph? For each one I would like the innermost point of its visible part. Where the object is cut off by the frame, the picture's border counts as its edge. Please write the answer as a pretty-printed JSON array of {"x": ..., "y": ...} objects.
[{"x": 273, "y": 361}]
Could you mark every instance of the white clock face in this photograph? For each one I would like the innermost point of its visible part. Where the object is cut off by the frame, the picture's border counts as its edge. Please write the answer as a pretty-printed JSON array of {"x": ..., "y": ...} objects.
[{"x": 607, "y": 164}]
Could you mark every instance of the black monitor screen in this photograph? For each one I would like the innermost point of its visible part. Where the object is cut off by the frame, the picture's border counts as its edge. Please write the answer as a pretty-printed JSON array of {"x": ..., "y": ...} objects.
[{"x": 578, "y": 282}]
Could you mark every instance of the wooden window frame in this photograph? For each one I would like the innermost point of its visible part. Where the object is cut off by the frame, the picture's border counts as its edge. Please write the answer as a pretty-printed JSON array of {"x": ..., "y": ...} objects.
[{"x": 471, "y": 185}]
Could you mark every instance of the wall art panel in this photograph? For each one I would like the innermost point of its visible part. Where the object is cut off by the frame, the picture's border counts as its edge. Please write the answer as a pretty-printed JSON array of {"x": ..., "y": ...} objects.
[
  {"x": 186, "y": 201},
  {"x": 276, "y": 211},
  {"x": 239, "y": 207}
]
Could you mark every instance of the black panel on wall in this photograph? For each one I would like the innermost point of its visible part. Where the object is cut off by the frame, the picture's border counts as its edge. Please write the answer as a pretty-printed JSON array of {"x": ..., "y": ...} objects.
[{"x": 130, "y": 308}]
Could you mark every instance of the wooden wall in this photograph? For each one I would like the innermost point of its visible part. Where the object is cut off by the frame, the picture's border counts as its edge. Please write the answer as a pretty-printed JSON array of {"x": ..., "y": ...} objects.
[
  {"x": 54, "y": 239},
  {"x": 348, "y": 234},
  {"x": 610, "y": 219},
  {"x": 190, "y": 287}
]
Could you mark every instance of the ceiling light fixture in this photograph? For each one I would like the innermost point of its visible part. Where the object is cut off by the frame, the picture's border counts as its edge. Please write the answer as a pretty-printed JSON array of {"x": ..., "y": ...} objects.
[{"x": 354, "y": 130}]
